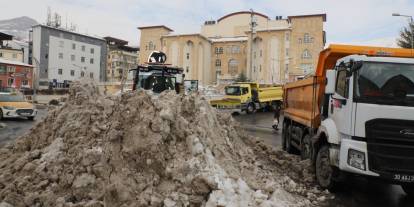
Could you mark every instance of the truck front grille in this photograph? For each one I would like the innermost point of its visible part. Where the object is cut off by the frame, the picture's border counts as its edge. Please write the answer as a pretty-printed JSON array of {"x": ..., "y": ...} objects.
[{"x": 390, "y": 145}]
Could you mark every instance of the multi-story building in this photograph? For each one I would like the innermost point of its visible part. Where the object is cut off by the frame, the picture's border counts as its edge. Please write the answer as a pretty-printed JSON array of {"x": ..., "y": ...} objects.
[
  {"x": 15, "y": 74},
  {"x": 121, "y": 58},
  {"x": 7, "y": 52},
  {"x": 272, "y": 51},
  {"x": 61, "y": 56}
]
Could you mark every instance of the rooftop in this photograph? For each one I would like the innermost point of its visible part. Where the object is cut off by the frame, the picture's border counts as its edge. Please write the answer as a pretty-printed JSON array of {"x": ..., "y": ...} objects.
[
  {"x": 4, "y": 36},
  {"x": 156, "y": 26},
  {"x": 309, "y": 15},
  {"x": 10, "y": 62},
  {"x": 68, "y": 31},
  {"x": 116, "y": 40}
]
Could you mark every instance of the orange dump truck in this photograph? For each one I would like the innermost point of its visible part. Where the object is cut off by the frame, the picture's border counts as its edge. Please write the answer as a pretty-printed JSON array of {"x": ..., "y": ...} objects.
[{"x": 355, "y": 115}]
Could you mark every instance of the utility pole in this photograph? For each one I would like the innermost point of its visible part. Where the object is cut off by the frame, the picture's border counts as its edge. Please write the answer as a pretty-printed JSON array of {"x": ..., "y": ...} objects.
[
  {"x": 34, "y": 78},
  {"x": 253, "y": 24}
]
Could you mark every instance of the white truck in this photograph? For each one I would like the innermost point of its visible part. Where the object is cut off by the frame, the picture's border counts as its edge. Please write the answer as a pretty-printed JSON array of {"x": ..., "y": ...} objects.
[{"x": 355, "y": 116}]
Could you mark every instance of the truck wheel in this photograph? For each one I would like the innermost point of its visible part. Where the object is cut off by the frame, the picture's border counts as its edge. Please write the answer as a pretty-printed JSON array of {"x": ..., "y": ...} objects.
[
  {"x": 284, "y": 135},
  {"x": 306, "y": 147},
  {"x": 408, "y": 189},
  {"x": 250, "y": 108},
  {"x": 325, "y": 173},
  {"x": 289, "y": 147}
]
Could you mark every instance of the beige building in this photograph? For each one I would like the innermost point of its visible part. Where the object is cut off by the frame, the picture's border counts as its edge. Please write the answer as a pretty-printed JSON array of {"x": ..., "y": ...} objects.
[
  {"x": 273, "y": 51},
  {"x": 121, "y": 58}
]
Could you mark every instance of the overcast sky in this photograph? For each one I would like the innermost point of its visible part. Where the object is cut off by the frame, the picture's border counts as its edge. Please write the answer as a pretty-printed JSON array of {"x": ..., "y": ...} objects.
[{"x": 348, "y": 21}]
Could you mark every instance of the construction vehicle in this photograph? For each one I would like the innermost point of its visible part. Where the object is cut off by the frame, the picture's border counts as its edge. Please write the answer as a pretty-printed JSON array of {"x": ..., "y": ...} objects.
[
  {"x": 355, "y": 116},
  {"x": 249, "y": 97},
  {"x": 157, "y": 76}
]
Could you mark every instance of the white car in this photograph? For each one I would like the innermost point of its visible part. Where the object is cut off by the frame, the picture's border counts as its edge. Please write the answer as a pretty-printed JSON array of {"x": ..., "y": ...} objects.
[{"x": 14, "y": 105}]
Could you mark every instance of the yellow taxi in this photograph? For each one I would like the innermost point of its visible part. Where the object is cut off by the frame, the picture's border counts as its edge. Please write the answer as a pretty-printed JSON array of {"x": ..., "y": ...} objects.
[{"x": 14, "y": 105}]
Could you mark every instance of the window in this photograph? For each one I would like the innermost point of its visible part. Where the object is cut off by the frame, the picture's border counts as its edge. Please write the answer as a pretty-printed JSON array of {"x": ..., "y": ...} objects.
[
  {"x": 300, "y": 40},
  {"x": 254, "y": 55},
  {"x": 260, "y": 68},
  {"x": 2, "y": 69},
  {"x": 220, "y": 50},
  {"x": 11, "y": 69},
  {"x": 1, "y": 54},
  {"x": 233, "y": 67},
  {"x": 10, "y": 82},
  {"x": 47, "y": 56},
  {"x": 72, "y": 73},
  {"x": 91, "y": 61},
  {"x": 217, "y": 50},
  {"x": 188, "y": 56},
  {"x": 14, "y": 55},
  {"x": 287, "y": 36},
  {"x": 92, "y": 51},
  {"x": 73, "y": 46},
  {"x": 307, "y": 68},
  {"x": 218, "y": 62},
  {"x": 61, "y": 43},
  {"x": 72, "y": 57},
  {"x": 307, "y": 38},
  {"x": 60, "y": 55},
  {"x": 235, "y": 49},
  {"x": 91, "y": 75},
  {"x": 306, "y": 54},
  {"x": 83, "y": 47},
  {"x": 261, "y": 53},
  {"x": 60, "y": 71},
  {"x": 151, "y": 45},
  {"x": 83, "y": 59},
  {"x": 187, "y": 69},
  {"x": 287, "y": 52},
  {"x": 82, "y": 74},
  {"x": 342, "y": 84}
]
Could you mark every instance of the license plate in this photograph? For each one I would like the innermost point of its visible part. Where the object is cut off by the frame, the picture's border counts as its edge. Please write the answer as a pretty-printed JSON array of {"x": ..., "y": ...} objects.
[{"x": 404, "y": 178}]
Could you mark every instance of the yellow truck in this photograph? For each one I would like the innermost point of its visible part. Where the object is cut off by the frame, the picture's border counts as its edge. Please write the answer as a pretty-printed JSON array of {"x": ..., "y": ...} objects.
[{"x": 249, "y": 97}]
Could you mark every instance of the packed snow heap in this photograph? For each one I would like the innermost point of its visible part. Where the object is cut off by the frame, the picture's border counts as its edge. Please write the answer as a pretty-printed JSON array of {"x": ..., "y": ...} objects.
[{"x": 144, "y": 150}]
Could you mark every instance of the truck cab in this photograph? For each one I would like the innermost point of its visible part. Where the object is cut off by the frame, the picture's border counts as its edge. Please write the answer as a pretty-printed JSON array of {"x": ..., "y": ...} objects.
[
  {"x": 355, "y": 116},
  {"x": 370, "y": 117}
]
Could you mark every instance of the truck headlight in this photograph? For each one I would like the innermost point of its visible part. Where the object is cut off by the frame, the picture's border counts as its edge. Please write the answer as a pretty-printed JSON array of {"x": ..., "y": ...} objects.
[
  {"x": 356, "y": 159},
  {"x": 9, "y": 107}
]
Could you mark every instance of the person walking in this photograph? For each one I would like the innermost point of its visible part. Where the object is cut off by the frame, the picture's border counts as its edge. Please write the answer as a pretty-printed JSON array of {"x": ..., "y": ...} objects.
[{"x": 276, "y": 117}]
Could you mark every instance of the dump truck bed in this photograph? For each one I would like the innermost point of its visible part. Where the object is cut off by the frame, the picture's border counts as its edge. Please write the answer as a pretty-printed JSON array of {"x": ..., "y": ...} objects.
[{"x": 302, "y": 99}]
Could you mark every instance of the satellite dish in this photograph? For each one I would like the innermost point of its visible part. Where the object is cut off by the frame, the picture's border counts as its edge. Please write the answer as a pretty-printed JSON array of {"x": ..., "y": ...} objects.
[{"x": 157, "y": 57}]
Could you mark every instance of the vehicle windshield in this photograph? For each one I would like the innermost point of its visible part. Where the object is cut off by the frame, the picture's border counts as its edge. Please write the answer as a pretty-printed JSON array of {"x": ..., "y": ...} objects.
[
  {"x": 233, "y": 91},
  {"x": 157, "y": 84},
  {"x": 11, "y": 98},
  {"x": 385, "y": 83}
]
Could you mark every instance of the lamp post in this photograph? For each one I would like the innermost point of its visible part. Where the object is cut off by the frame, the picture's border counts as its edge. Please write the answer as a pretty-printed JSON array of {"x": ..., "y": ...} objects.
[{"x": 411, "y": 26}]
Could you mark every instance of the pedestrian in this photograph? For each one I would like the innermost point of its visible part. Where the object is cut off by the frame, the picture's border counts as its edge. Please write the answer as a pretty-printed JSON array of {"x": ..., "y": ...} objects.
[{"x": 276, "y": 117}]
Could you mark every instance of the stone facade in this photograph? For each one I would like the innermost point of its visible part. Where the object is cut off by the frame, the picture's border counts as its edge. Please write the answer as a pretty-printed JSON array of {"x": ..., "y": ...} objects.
[{"x": 277, "y": 51}]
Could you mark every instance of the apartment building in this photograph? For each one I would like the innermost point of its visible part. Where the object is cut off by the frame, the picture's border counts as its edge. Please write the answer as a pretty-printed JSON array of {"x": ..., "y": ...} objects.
[
  {"x": 273, "y": 51},
  {"x": 15, "y": 74},
  {"x": 121, "y": 58},
  {"x": 7, "y": 52},
  {"x": 63, "y": 56}
]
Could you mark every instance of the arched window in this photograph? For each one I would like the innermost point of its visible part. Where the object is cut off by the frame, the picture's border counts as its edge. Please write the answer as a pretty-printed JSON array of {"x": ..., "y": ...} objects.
[
  {"x": 306, "y": 54},
  {"x": 218, "y": 62},
  {"x": 233, "y": 67}
]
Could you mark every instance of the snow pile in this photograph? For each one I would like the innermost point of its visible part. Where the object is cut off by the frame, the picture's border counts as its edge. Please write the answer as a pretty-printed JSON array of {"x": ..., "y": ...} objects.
[{"x": 141, "y": 150}]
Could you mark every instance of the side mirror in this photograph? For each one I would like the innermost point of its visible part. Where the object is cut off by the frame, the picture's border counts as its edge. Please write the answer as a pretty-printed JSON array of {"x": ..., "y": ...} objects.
[{"x": 330, "y": 81}]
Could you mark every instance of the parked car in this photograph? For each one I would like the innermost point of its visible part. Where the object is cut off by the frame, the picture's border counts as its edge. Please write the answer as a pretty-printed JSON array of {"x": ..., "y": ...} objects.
[{"x": 14, "y": 105}]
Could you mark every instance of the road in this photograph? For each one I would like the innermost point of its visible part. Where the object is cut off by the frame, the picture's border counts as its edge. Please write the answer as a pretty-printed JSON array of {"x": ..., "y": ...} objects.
[
  {"x": 360, "y": 192},
  {"x": 18, "y": 126}
]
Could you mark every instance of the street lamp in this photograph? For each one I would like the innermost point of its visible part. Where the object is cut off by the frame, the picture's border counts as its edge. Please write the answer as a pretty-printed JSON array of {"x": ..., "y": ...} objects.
[{"x": 411, "y": 26}]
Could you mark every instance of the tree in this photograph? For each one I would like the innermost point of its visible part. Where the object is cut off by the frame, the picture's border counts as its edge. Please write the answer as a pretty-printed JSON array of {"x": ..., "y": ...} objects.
[
  {"x": 406, "y": 36},
  {"x": 242, "y": 78}
]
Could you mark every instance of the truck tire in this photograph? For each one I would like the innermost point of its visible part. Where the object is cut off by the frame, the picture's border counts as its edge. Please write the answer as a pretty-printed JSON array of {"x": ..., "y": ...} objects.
[
  {"x": 251, "y": 108},
  {"x": 325, "y": 173},
  {"x": 288, "y": 142},
  {"x": 306, "y": 148},
  {"x": 408, "y": 189},
  {"x": 284, "y": 135}
]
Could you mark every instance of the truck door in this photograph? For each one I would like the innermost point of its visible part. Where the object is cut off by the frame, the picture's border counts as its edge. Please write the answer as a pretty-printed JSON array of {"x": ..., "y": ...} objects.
[{"x": 340, "y": 107}]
